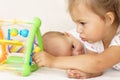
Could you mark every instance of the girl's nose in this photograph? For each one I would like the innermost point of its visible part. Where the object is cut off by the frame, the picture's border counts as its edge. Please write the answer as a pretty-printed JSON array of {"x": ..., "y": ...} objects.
[{"x": 79, "y": 29}]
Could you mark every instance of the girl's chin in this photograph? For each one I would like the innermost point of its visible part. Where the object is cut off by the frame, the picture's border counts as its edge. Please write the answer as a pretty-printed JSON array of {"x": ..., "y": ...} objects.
[{"x": 89, "y": 41}]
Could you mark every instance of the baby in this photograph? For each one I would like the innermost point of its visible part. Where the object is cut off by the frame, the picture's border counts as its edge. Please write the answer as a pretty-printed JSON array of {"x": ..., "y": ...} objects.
[{"x": 64, "y": 44}]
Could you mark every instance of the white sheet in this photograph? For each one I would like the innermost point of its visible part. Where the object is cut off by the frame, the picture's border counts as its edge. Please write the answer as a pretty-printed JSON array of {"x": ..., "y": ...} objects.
[{"x": 55, "y": 74}]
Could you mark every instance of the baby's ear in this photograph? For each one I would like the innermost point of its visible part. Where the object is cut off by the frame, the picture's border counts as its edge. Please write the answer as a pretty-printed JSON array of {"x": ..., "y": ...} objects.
[{"x": 66, "y": 34}]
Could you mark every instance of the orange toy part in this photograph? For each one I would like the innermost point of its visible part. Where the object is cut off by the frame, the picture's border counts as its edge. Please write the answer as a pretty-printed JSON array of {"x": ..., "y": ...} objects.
[{"x": 3, "y": 48}]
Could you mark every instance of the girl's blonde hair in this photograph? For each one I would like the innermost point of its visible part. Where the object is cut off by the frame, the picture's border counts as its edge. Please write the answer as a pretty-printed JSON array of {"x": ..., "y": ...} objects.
[{"x": 100, "y": 7}]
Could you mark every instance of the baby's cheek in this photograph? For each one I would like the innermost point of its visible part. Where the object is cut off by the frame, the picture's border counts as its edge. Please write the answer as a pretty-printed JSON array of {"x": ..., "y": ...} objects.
[
  {"x": 76, "y": 53},
  {"x": 80, "y": 52}
]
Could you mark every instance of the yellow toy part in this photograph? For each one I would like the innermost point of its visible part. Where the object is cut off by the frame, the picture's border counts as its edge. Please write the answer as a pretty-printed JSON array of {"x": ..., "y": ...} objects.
[
  {"x": 13, "y": 32},
  {"x": 36, "y": 49},
  {"x": 12, "y": 42}
]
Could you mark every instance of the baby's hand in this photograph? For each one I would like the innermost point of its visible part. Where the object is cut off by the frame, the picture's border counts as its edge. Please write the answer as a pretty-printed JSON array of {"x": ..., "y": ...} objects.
[
  {"x": 43, "y": 59},
  {"x": 72, "y": 73}
]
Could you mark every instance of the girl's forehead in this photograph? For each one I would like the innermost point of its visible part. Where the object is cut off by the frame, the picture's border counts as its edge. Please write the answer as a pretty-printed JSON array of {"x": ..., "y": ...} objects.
[{"x": 80, "y": 12}]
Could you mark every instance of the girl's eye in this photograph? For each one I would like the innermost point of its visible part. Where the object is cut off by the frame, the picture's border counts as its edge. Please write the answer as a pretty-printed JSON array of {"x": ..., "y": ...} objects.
[{"x": 82, "y": 23}]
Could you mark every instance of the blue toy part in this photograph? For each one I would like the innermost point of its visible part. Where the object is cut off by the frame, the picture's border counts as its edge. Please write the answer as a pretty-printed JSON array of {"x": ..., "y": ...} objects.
[
  {"x": 8, "y": 34},
  {"x": 24, "y": 32}
]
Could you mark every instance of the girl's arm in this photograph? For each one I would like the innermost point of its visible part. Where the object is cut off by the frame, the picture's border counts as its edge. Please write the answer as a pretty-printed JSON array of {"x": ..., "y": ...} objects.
[{"x": 90, "y": 63}]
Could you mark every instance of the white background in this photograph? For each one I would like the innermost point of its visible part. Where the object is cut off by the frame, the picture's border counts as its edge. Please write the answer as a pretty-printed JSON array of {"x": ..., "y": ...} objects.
[{"x": 53, "y": 13}]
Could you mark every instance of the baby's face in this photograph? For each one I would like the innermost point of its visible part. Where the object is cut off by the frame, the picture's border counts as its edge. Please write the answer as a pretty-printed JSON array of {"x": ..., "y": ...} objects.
[
  {"x": 67, "y": 46},
  {"x": 75, "y": 46}
]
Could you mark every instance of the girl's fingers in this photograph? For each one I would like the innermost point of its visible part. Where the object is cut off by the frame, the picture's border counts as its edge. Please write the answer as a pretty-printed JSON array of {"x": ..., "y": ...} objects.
[
  {"x": 36, "y": 56},
  {"x": 39, "y": 59},
  {"x": 72, "y": 73}
]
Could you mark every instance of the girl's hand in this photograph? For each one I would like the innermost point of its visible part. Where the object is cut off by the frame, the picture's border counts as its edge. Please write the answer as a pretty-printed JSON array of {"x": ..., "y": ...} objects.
[
  {"x": 72, "y": 73},
  {"x": 43, "y": 59}
]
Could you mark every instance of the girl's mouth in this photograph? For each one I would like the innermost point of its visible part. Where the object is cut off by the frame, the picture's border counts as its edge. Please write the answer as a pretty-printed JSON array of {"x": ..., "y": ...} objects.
[{"x": 83, "y": 39}]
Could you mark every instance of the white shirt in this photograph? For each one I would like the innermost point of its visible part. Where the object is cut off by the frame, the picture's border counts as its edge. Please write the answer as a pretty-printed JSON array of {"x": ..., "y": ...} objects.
[{"x": 98, "y": 46}]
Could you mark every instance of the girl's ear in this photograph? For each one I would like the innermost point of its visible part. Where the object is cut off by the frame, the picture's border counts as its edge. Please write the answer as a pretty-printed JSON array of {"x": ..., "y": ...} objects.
[{"x": 109, "y": 17}]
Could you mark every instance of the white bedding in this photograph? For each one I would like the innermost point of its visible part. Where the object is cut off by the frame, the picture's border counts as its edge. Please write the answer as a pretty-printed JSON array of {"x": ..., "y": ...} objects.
[{"x": 55, "y": 74}]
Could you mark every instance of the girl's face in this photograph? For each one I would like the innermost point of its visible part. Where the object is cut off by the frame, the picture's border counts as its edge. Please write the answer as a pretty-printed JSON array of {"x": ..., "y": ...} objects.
[{"x": 90, "y": 26}]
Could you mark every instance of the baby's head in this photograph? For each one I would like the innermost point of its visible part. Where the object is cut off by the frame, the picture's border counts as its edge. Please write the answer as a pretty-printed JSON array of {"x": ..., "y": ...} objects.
[{"x": 61, "y": 44}]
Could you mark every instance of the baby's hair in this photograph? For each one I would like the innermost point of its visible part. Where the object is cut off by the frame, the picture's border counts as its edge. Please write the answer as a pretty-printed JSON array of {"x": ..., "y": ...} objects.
[
  {"x": 49, "y": 36},
  {"x": 52, "y": 33},
  {"x": 49, "y": 42},
  {"x": 100, "y": 7}
]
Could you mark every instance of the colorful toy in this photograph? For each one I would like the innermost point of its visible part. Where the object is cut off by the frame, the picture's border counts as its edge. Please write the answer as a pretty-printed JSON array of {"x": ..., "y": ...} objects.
[{"x": 23, "y": 64}]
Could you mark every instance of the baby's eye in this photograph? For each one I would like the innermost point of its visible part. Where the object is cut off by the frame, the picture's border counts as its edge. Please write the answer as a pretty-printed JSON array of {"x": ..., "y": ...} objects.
[{"x": 73, "y": 46}]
